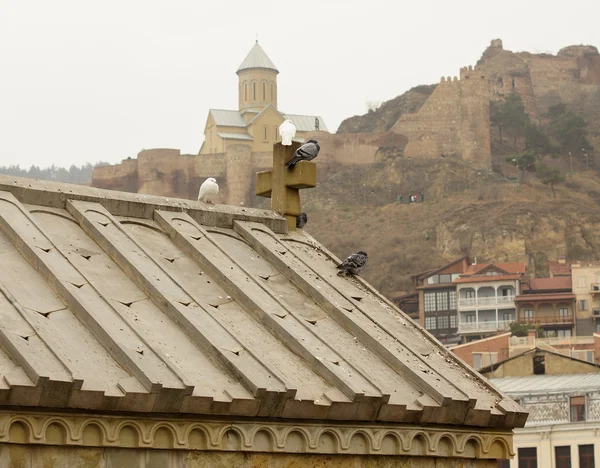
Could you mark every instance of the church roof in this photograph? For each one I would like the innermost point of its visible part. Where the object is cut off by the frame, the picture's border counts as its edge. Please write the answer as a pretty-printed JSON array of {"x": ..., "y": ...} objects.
[
  {"x": 113, "y": 301},
  {"x": 306, "y": 123},
  {"x": 228, "y": 118},
  {"x": 257, "y": 58},
  {"x": 235, "y": 136}
]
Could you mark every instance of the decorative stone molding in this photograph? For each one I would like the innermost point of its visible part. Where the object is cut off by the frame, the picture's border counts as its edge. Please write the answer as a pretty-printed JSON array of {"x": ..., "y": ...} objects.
[{"x": 293, "y": 437}]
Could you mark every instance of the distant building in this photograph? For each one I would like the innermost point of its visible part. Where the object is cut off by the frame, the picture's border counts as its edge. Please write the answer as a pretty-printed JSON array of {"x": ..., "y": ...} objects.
[
  {"x": 548, "y": 303},
  {"x": 257, "y": 120},
  {"x": 486, "y": 298},
  {"x": 586, "y": 286},
  {"x": 562, "y": 397},
  {"x": 438, "y": 299}
]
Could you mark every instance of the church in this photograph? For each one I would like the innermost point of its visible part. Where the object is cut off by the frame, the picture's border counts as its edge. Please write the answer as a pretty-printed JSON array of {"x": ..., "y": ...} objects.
[{"x": 257, "y": 120}]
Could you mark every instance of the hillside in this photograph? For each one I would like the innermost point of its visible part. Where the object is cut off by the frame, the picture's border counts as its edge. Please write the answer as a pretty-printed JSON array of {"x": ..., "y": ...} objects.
[
  {"x": 463, "y": 213},
  {"x": 382, "y": 118}
]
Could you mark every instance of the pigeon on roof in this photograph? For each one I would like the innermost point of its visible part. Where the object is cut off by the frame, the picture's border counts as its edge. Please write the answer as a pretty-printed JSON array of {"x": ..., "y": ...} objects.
[
  {"x": 208, "y": 190},
  {"x": 287, "y": 131},
  {"x": 353, "y": 264},
  {"x": 301, "y": 220},
  {"x": 307, "y": 152}
]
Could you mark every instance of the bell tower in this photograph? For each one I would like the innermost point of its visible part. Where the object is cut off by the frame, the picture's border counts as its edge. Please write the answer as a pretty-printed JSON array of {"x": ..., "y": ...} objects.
[{"x": 257, "y": 80}]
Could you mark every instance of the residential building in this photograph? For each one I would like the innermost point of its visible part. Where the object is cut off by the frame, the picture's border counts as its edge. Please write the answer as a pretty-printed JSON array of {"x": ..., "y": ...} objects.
[
  {"x": 586, "y": 286},
  {"x": 498, "y": 348},
  {"x": 257, "y": 120},
  {"x": 562, "y": 397},
  {"x": 438, "y": 299},
  {"x": 561, "y": 267},
  {"x": 548, "y": 303},
  {"x": 486, "y": 298},
  {"x": 409, "y": 304}
]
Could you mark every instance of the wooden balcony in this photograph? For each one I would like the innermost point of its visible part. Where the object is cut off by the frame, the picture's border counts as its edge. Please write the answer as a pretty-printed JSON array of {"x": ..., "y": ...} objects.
[{"x": 548, "y": 321}]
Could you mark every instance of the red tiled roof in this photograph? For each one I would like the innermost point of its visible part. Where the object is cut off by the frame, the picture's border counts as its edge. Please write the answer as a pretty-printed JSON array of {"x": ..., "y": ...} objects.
[
  {"x": 481, "y": 279},
  {"x": 549, "y": 284},
  {"x": 544, "y": 297},
  {"x": 509, "y": 267},
  {"x": 560, "y": 269}
]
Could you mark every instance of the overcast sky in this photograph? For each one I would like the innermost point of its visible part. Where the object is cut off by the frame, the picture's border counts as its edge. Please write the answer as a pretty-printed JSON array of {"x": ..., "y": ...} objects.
[{"x": 84, "y": 81}]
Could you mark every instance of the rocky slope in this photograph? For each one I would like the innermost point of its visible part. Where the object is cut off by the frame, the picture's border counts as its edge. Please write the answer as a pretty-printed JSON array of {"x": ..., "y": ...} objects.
[
  {"x": 464, "y": 212},
  {"x": 382, "y": 118}
]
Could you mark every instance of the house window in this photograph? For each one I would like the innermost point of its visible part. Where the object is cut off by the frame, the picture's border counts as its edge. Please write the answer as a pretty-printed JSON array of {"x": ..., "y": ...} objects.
[
  {"x": 452, "y": 300},
  {"x": 430, "y": 323},
  {"x": 528, "y": 457},
  {"x": 470, "y": 318},
  {"x": 507, "y": 316},
  {"x": 586, "y": 456},
  {"x": 583, "y": 304},
  {"x": 442, "y": 300},
  {"x": 442, "y": 322},
  {"x": 563, "y": 312},
  {"x": 470, "y": 293},
  {"x": 581, "y": 281},
  {"x": 528, "y": 315},
  {"x": 577, "y": 408},
  {"x": 429, "y": 302},
  {"x": 503, "y": 463},
  {"x": 563, "y": 333},
  {"x": 589, "y": 356},
  {"x": 562, "y": 456},
  {"x": 453, "y": 321},
  {"x": 477, "y": 361}
]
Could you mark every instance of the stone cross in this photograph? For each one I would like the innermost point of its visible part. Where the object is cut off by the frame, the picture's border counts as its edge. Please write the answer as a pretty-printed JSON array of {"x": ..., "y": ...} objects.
[{"x": 283, "y": 185}]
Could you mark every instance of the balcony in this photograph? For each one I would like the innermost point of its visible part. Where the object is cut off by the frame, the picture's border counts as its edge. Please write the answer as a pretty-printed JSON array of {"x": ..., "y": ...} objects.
[
  {"x": 474, "y": 302},
  {"x": 547, "y": 321},
  {"x": 596, "y": 313},
  {"x": 473, "y": 327},
  {"x": 595, "y": 288}
]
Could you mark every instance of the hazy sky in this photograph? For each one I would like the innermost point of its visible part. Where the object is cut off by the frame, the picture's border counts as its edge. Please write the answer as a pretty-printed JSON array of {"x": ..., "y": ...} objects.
[{"x": 84, "y": 81}]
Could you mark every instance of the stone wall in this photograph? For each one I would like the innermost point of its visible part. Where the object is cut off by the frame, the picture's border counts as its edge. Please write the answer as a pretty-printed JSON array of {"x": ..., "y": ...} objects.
[
  {"x": 27, "y": 456},
  {"x": 166, "y": 172}
]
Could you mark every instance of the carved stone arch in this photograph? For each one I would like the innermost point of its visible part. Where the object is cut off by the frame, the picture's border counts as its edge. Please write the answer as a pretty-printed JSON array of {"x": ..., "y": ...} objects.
[
  {"x": 497, "y": 447},
  {"x": 266, "y": 442},
  {"x": 329, "y": 441},
  {"x": 355, "y": 446},
  {"x": 129, "y": 434},
  {"x": 20, "y": 430},
  {"x": 92, "y": 433},
  {"x": 232, "y": 438},
  {"x": 471, "y": 446},
  {"x": 445, "y": 445},
  {"x": 164, "y": 435},
  {"x": 296, "y": 439},
  {"x": 420, "y": 443}
]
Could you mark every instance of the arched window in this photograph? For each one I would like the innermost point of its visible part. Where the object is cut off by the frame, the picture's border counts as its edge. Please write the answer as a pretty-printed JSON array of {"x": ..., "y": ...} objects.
[
  {"x": 245, "y": 91},
  {"x": 272, "y": 92},
  {"x": 264, "y": 91},
  {"x": 265, "y": 133},
  {"x": 254, "y": 90}
]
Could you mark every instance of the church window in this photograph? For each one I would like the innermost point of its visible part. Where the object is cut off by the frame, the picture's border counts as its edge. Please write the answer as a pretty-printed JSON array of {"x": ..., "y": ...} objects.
[
  {"x": 276, "y": 133},
  {"x": 264, "y": 91},
  {"x": 245, "y": 91},
  {"x": 254, "y": 90},
  {"x": 265, "y": 133},
  {"x": 271, "y": 91}
]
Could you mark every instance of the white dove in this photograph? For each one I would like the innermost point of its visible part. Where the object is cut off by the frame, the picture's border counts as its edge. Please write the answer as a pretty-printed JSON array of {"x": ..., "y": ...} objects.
[
  {"x": 287, "y": 130},
  {"x": 208, "y": 190}
]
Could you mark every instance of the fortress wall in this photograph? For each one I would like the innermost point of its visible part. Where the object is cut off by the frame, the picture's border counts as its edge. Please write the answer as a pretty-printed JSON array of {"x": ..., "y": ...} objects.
[
  {"x": 123, "y": 177},
  {"x": 475, "y": 118}
]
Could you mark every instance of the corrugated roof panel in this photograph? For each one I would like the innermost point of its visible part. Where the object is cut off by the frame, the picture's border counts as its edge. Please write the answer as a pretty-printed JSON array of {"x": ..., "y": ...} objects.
[
  {"x": 306, "y": 123},
  {"x": 235, "y": 136},
  {"x": 547, "y": 383},
  {"x": 257, "y": 58},
  {"x": 228, "y": 118}
]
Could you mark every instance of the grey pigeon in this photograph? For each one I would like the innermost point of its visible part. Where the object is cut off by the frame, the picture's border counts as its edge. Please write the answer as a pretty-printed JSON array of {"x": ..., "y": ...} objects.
[
  {"x": 301, "y": 220},
  {"x": 353, "y": 264},
  {"x": 307, "y": 152}
]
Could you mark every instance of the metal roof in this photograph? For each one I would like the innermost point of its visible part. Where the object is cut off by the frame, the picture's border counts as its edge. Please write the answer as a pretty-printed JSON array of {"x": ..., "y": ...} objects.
[
  {"x": 228, "y": 118},
  {"x": 114, "y": 301},
  {"x": 538, "y": 384},
  {"x": 306, "y": 123},
  {"x": 257, "y": 58},
  {"x": 235, "y": 136}
]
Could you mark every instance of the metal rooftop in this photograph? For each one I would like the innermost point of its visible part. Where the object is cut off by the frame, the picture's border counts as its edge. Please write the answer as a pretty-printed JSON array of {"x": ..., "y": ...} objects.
[
  {"x": 257, "y": 58},
  {"x": 542, "y": 384}
]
